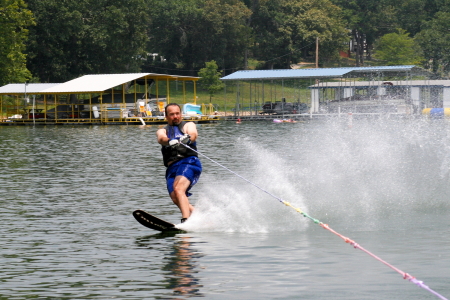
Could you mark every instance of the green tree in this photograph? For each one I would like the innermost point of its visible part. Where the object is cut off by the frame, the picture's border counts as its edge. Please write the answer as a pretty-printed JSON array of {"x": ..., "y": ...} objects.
[
  {"x": 232, "y": 36},
  {"x": 367, "y": 20},
  {"x": 412, "y": 13},
  {"x": 74, "y": 38},
  {"x": 210, "y": 79},
  {"x": 187, "y": 33},
  {"x": 14, "y": 20},
  {"x": 286, "y": 30},
  {"x": 310, "y": 19},
  {"x": 434, "y": 39},
  {"x": 272, "y": 44},
  {"x": 398, "y": 49}
]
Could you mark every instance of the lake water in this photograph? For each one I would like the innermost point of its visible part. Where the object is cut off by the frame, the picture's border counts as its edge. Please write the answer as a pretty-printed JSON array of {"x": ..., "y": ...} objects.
[{"x": 67, "y": 194}]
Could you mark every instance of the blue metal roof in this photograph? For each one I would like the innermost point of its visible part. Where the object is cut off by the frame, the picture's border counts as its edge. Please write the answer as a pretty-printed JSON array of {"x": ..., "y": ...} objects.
[
  {"x": 311, "y": 73},
  {"x": 384, "y": 69}
]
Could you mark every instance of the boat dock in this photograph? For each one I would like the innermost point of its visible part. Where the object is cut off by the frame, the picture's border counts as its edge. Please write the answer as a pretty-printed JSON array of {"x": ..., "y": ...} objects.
[{"x": 108, "y": 121}]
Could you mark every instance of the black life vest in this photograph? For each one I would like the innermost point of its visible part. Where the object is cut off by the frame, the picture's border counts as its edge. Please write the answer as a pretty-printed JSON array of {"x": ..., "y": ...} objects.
[{"x": 173, "y": 154}]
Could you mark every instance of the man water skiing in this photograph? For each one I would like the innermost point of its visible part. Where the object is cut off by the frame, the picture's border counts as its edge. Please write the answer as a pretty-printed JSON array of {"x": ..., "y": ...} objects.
[{"x": 183, "y": 165}]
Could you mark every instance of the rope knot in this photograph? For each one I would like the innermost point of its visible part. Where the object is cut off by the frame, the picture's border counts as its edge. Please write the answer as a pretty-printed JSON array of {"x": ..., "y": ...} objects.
[
  {"x": 354, "y": 244},
  {"x": 349, "y": 241},
  {"x": 407, "y": 276}
]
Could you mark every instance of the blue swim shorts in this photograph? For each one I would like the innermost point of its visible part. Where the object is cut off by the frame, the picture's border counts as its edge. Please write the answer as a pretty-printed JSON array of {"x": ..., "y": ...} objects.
[{"x": 189, "y": 167}]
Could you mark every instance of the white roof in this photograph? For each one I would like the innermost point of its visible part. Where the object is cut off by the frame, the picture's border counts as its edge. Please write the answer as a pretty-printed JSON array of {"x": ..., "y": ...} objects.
[
  {"x": 31, "y": 88},
  {"x": 93, "y": 83},
  {"x": 86, "y": 84}
]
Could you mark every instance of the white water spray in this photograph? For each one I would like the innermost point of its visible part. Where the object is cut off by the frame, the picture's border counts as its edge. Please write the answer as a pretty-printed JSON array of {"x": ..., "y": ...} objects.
[
  {"x": 233, "y": 205},
  {"x": 377, "y": 169}
]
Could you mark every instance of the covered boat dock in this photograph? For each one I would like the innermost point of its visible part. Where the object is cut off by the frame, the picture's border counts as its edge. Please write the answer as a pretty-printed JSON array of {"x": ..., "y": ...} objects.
[
  {"x": 332, "y": 90},
  {"x": 133, "y": 98}
]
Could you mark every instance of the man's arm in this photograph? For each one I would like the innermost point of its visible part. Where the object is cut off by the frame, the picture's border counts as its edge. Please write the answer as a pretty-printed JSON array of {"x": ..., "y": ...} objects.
[
  {"x": 161, "y": 135},
  {"x": 191, "y": 129}
]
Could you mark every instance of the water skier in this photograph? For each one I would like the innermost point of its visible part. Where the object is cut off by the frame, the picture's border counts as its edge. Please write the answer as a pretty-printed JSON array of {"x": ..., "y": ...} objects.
[{"x": 183, "y": 165}]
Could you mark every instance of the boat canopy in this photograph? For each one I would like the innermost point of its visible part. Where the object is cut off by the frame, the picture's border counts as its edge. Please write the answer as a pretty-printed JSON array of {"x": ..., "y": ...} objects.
[{"x": 103, "y": 82}]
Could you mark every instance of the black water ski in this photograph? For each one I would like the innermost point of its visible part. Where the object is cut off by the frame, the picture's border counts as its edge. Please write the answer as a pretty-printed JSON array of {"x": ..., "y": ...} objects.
[{"x": 153, "y": 222}]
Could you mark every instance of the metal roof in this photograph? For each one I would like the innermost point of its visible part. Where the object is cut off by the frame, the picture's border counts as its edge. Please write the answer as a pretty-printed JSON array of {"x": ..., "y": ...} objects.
[
  {"x": 376, "y": 83},
  {"x": 31, "y": 88},
  {"x": 93, "y": 83},
  {"x": 102, "y": 82},
  {"x": 311, "y": 73},
  {"x": 374, "y": 69}
]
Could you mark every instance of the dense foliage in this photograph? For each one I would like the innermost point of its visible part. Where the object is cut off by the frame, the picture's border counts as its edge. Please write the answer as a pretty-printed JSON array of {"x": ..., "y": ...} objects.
[
  {"x": 14, "y": 20},
  {"x": 210, "y": 78},
  {"x": 65, "y": 39},
  {"x": 398, "y": 48},
  {"x": 73, "y": 37},
  {"x": 435, "y": 42}
]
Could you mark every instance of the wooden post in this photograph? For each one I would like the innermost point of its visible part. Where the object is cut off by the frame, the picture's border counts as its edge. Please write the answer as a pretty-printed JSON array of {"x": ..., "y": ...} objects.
[{"x": 317, "y": 52}]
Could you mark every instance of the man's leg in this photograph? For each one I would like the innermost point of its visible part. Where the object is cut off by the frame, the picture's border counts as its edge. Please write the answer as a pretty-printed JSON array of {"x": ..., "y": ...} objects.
[{"x": 180, "y": 185}]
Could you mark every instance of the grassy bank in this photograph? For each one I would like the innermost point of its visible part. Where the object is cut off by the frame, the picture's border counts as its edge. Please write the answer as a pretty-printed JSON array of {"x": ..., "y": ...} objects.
[{"x": 247, "y": 94}]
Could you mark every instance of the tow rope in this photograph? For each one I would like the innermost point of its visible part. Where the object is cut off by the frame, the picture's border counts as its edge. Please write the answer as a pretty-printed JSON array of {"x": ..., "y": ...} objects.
[{"x": 405, "y": 275}]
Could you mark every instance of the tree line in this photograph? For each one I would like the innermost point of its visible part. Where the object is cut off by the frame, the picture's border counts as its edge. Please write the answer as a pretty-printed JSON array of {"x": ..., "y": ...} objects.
[{"x": 58, "y": 40}]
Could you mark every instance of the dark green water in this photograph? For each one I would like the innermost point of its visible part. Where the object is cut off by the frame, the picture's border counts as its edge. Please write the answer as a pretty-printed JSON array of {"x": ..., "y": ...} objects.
[{"x": 67, "y": 193}]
